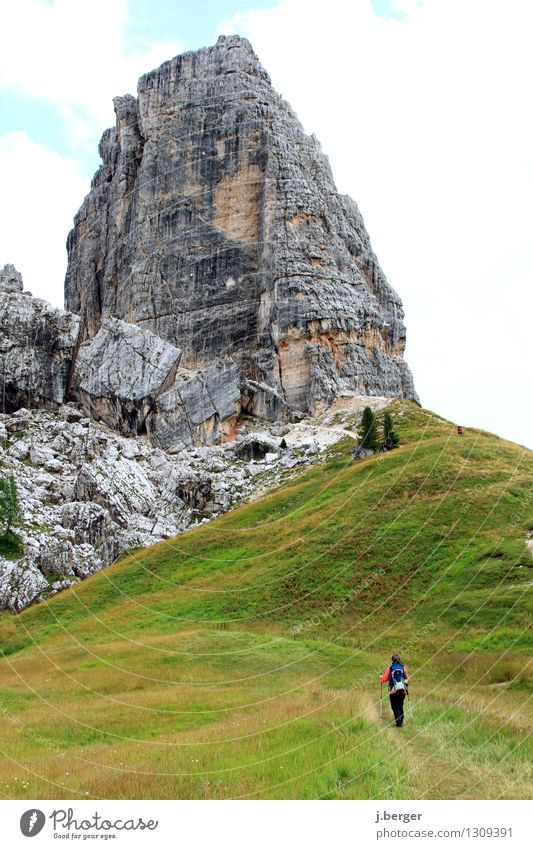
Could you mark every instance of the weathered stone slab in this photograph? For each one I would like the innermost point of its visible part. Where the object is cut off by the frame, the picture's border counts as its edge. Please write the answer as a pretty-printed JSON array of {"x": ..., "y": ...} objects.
[
  {"x": 120, "y": 372},
  {"x": 200, "y": 409}
]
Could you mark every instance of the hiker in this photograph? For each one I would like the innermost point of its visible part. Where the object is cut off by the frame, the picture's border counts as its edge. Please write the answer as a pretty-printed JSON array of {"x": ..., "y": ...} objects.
[
  {"x": 460, "y": 430},
  {"x": 398, "y": 678}
]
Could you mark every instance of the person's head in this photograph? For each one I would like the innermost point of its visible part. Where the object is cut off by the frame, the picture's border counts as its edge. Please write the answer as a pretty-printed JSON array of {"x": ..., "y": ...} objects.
[{"x": 396, "y": 658}]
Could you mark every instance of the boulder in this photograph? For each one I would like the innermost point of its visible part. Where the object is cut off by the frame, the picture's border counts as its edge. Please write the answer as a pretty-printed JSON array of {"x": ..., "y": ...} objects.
[
  {"x": 21, "y": 584},
  {"x": 195, "y": 492},
  {"x": 359, "y": 453},
  {"x": 121, "y": 487},
  {"x": 57, "y": 557},
  {"x": 120, "y": 373},
  {"x": 90, "y": 522},
  {"x": 256, "y": 447}
]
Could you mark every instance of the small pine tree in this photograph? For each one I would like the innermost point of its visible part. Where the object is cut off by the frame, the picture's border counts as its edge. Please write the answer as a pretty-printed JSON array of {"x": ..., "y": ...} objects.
[
  {"x": 368, "y": 432},
  {"x": 10, "y": 514},
  {"x": 390, "y": 437},
  {"x": 283, "y": 444}
]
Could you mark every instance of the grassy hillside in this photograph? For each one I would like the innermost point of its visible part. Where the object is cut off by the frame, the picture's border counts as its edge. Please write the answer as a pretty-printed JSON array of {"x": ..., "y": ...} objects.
[{"x": 241, "y": 659}]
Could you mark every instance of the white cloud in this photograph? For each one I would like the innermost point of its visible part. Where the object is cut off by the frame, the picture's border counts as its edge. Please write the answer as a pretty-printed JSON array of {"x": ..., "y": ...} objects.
[
  {"x": 427, "y": 124},
  {"x": 41, "y": 191},
  {"x": 73, "y": 54}
]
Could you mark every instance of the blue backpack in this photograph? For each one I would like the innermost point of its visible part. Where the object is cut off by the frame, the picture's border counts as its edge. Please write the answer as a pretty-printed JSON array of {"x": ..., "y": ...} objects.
[{"x": 396, "y": 678}]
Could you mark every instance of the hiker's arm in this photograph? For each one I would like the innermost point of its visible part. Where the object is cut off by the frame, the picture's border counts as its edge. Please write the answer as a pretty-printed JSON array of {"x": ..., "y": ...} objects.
[
  {"x": 406, "y": 674},
  {"x": 385, "y": 676}
]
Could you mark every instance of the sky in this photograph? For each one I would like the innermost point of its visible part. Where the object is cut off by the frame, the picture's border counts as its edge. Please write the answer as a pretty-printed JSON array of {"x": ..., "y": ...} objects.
[{"x": 423, "y": 107}]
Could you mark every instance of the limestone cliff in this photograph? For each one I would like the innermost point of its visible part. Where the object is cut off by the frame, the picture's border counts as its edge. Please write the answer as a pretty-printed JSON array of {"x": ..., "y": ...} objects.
[{"x": 214, "y": 222}]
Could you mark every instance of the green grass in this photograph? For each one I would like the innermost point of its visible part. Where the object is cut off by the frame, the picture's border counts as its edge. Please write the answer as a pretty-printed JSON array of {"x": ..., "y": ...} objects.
[{"x": 241, "y": 659}]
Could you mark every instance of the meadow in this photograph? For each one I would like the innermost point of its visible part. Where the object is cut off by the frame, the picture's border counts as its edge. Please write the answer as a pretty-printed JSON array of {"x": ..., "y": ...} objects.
[{"x": 241, "y": 659}]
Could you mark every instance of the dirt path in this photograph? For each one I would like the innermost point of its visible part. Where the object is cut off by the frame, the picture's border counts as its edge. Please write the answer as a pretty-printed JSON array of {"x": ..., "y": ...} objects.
[{"x": 322, "y": 435}]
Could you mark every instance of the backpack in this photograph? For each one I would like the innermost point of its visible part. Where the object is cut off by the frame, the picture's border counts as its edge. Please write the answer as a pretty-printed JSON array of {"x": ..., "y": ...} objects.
[{"x": 396, "y": 678}]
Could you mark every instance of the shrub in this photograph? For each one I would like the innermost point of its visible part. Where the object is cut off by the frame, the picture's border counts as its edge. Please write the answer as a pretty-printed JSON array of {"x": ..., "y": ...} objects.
[
  {"x": 390, "y": 437},
  {"x": 10, "y": 544},
  {"x": 368, "y": 433},
  {"x": 10, "y": 514}
]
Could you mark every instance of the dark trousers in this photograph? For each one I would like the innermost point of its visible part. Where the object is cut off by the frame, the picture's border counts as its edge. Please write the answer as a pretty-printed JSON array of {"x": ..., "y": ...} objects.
[{"x": 396, "y": 703}]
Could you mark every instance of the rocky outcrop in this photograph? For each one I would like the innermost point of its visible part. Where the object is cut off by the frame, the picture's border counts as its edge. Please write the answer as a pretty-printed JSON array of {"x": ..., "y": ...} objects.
[
  {"x": 88, "y": 521},
  {"x": 37, "y": 343},
  {"x": 126, "y": 376},
  {"x": 122, "y": 487},
  {"x": 214, "y": 222},
  {"x": 197, "y": 492}
]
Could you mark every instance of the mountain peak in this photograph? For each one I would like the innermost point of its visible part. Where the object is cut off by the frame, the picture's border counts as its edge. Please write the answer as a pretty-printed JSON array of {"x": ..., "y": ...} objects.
[{"x": 231, "y": 54}]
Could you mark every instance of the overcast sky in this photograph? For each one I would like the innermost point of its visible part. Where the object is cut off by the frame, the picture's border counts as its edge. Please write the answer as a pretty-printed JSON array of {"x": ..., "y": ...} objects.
[{"x": 423, "y": 107}]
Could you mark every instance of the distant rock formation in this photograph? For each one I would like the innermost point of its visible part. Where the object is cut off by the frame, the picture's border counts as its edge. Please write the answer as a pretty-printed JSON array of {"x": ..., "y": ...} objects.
[
  {"x": 37, "y": 343},
  {"x": 214, "y": 222},
  {"x": 10, "y": 279}
]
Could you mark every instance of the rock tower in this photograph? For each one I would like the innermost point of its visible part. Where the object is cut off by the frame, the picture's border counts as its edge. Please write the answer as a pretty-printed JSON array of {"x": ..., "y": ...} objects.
[{"x": 215, "y": 224}]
